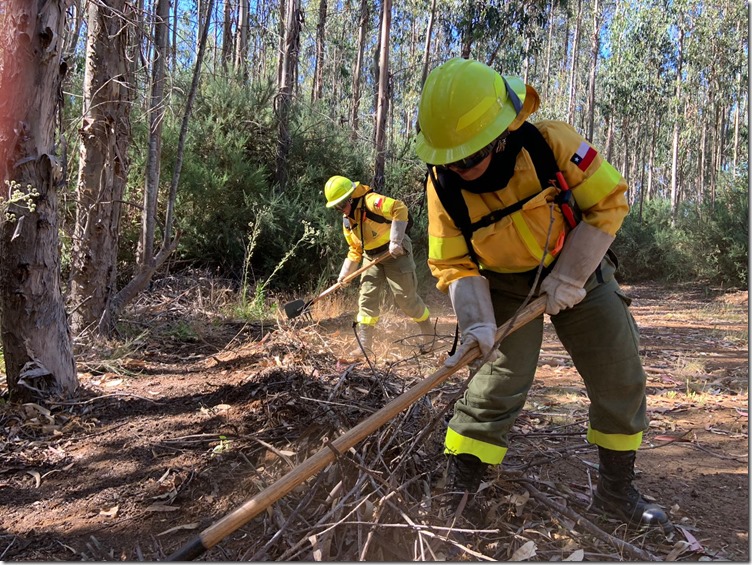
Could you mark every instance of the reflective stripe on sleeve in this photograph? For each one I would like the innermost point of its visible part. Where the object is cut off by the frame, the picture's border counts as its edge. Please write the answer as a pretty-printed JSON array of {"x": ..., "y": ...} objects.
[
  {"x": 386, "y": 207},
  {"x": 597, "y": 186},
  {"x": 441, "y": 248},
  {"x": 488, "y": 453}
]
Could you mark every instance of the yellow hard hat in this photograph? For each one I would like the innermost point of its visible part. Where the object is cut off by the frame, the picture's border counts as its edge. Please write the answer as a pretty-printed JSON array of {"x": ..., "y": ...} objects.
[
  {"x": 465, "y": 105},
  {"x": 338, "y": 189}
]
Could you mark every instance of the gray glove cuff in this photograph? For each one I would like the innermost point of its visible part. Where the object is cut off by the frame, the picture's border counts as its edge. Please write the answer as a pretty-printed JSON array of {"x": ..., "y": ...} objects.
[
  {"x": 348, "y": 267},
  {"x": 583, "y": 251},
  {"x": 397, "y": 231},
  {"x": 471, "y": 300}
]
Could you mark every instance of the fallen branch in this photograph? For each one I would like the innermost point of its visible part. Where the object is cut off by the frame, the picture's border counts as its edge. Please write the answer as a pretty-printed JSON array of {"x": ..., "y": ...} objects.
[{"x": 626, "y": 547}]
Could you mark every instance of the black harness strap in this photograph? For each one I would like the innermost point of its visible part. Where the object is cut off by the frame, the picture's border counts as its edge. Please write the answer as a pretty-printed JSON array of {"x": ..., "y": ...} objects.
[
  {"x": 546, "y": 170},
  {"x": 455, "y": 205}
]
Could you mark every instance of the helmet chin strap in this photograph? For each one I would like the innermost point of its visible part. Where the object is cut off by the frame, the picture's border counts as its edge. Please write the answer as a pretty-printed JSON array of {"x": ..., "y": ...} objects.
[
  {"x": 516, "y": 102},
  {"x": 353, "y": 206}
]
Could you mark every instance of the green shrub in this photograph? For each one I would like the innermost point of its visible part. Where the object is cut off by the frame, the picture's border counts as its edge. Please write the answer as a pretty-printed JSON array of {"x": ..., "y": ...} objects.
[{"x": 707, "y": 243}]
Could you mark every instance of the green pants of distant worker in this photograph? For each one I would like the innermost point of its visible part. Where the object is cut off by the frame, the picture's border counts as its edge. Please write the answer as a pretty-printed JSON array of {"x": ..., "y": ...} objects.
[
  {"x": 600, "y": 335},
  {"x": 397, "y": 274}
]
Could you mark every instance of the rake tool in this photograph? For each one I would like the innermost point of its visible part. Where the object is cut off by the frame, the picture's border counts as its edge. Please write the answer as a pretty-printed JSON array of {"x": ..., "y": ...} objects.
[
  {"x": 255, "y": 505},
  {"x": 297, "y": 307}
]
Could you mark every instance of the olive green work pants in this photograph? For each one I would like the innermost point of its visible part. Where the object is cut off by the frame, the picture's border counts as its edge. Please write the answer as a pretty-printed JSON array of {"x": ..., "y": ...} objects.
[
  {"x": 398, "y": 274},
  {"x": 601, "y": 337}
]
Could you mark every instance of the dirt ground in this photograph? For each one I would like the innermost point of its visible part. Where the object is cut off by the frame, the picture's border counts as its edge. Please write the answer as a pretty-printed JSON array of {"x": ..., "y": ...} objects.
[{"x": 188, "y": 416}]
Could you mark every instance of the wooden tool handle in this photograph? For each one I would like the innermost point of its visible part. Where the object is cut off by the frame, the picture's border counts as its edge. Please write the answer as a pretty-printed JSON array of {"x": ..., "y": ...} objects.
[{"x": 378, "y": 259}]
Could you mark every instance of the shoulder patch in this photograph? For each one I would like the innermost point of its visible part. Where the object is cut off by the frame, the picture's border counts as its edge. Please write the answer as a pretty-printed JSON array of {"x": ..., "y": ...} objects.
[
  {"x": 584, "y": 156},
  {"x": 379, "y": 202}
]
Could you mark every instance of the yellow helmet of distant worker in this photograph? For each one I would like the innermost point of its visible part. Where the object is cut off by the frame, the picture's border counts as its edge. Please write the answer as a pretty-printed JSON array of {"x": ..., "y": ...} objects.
[
  {"x": 465, "y": 105},
  {"x": 338, "y": 189}
]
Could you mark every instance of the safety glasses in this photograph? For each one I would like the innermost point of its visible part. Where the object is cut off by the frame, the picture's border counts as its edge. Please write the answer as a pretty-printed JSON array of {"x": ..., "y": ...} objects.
[
  {"x": 343, "y": 206},
  {"x": 472, "y": 160}
]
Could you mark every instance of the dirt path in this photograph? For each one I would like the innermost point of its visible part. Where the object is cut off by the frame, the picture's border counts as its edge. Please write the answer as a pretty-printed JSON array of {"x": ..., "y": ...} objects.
[{"x": 198, "y": 415}]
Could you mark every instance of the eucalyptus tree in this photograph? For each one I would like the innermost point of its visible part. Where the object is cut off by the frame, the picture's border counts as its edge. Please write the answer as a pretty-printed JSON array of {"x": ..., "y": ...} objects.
[
  {"x": 382, "y": 105},
  {"x": 358, "y": 70},
  {"x": 318, "y": 73},
  {"x": 36, "y": 339},
  {"x": 105, "y": 137},
  {"x": 288, "y": 65},
  {"x": 241, "y": 41},
  {"x": 595, "y": 43}
]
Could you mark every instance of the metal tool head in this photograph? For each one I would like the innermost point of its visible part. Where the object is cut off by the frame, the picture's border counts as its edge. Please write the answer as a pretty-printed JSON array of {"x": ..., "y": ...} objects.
[{"x": 296, "y": 308}]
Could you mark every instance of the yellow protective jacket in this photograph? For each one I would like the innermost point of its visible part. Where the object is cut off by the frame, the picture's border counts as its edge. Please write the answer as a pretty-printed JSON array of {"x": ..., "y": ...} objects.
[
  {"x": 517, "y": 242},
  {"x": 372, "y": 223}
]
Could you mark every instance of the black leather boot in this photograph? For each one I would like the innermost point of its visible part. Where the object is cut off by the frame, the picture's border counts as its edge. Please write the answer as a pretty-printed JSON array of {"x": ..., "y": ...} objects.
[
  {"x": 464, "y": 475},
  {"x": 616, "y": 495},
  {"x": 365, "y": 335},
  {"x": 428, "y": 336}
]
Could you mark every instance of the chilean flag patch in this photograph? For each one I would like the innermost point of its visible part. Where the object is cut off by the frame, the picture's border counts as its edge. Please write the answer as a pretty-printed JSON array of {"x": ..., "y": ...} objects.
[
  {"x": 584, "y": 156},
  {"x": 379, "y": 202}
]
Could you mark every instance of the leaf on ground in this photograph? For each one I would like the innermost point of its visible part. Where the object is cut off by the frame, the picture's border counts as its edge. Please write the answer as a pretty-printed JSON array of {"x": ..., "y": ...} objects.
[
  {"x": 577, "y": 555},
  {"x": 37, "y": 478},
  {"x": 157, "y": 507},
  {"x": 694, "y": 545},
  {"x": 671, "y": 439},
  {"x": 525, "y": 552},
  {"x": 679, "y": 547},
  {"x": 191, "y": 526}
]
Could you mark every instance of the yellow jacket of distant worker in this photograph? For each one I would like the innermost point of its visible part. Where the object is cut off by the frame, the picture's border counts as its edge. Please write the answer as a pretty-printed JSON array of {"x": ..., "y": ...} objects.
[
  {"x": 519, "y": 241},
  {"x": 373, "y": 215}
]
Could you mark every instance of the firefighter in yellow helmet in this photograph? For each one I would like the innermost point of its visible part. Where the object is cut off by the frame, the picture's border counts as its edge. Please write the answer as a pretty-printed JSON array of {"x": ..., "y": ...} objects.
[
  {"x": 506, "y": 196},
  {"x": 374, "y": 224}
]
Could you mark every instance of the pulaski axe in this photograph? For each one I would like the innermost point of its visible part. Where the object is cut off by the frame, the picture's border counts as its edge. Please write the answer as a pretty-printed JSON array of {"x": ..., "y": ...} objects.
[{"x": 297, "y": 307}]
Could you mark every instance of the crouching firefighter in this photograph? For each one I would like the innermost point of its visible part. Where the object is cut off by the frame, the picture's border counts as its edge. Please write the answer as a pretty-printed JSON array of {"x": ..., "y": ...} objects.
[
  {"x": 374, "y": 224},
  {"x": 505, "y": 195}
]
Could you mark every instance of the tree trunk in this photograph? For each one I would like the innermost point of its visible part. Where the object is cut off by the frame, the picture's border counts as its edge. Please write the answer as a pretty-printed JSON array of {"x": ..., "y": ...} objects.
[
  {"x": 103, "y": 166},
  {"x": 740, "y": 98},
  {"x": 318, "y": 73},
  {"x": 654, "y": 135},
  {"x": 227, "y": 35},
  {"x": 362, "y": 29},
  {"x": 284, "y": 97},
  {"x": 281, "y": 41},
  {"x": 241, "y": 44},
  {"x": 549, "y": 42},
  {"x": 156, "y": 115},
  {"x": 36, "y": 339},
  {"x": 174, "y": 44},
  {"x": 608, "y": 150},
  {"x": 169, "y": 216},
  {"x": 427, "y": 48},
  {"x": 573, "y": 64},
  {"x": 148, "y": 263},
  {"x": 594, "y": 48},
  {"x": 73, "y": 30},
  {"x": 382, "y": 107},
  {"x": 701, "y": 167},
  {"x": 675, "y": 137}
]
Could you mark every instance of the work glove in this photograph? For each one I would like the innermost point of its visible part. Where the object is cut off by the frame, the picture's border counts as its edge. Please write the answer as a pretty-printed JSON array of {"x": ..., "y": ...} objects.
[
  {"x": 348, "y": 268},
  {"x": 471, "y": 300},
  {"x": 583, "y": 251},
  {"x": 396, "y": 235}
]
